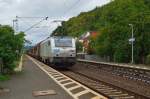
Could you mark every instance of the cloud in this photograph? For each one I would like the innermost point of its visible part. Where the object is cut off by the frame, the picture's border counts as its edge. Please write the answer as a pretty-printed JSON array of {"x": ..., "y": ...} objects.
[{"x": 55, "y": 9}]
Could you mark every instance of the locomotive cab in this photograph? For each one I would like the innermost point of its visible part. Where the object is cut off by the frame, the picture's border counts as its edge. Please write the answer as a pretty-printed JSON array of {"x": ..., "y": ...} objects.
[
  {"x": 58, "y": 50},
  {"x": 64, "y": 50}
]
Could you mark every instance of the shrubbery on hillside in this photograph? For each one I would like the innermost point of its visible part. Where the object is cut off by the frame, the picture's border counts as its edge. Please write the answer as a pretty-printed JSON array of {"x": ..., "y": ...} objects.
[{"x": 112, "y": 22}]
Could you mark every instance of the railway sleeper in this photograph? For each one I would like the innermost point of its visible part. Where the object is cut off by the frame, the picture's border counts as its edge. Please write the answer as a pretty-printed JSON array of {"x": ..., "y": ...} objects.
[
  {"x": 102, "y": 87},
  {"x": 135, "y": 78},
  {"x": 95, "y": 85},
  {"x": 148, "y": 82},
  {"x": 145, "y": 77},
  {"x": 132, "y": 77},
  {"x": 139, "y": 79},
  {"x": 110, "y": 93},
  {"x": 118, "y": 95},
  {"x": 105, "y": 89},
  {"x": 126, "y": 97},
  {"x": 144, "y": 80},
  {"x": 114, "y": 73}
]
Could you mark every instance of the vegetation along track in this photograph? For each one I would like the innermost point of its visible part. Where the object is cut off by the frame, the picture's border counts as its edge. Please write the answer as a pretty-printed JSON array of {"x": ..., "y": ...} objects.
[{"x": 107, "y": 84}]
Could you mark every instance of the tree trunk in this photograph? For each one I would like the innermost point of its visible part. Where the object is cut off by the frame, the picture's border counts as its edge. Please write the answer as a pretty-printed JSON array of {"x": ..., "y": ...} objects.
[{"x": 1, "y": 66}]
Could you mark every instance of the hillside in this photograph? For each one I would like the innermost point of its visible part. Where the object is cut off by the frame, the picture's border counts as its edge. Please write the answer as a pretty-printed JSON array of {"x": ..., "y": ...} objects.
[{"x": 112, "y": 21}]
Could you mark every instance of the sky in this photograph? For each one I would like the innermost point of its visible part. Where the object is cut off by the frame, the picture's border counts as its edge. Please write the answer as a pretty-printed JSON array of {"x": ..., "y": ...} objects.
[{"x": 31, "y": 12}]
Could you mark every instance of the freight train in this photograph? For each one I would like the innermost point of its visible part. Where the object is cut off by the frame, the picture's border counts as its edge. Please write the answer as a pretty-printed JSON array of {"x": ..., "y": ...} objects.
[{"x": 60, "y": 51}]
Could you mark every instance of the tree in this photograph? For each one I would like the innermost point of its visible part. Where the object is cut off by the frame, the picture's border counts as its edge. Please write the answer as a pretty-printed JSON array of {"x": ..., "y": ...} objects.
[
  {"x": 10, "y": 46},
  {"x": 112, "y": 21}
]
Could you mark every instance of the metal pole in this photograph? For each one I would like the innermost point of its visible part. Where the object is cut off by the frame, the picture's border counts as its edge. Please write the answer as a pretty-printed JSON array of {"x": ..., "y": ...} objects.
[
  {"x": 132, "y": 42},
  {"x": 132, "y": 47},
  {"x": 17, "y": 28},
  {"x": 14, "y": 24}
]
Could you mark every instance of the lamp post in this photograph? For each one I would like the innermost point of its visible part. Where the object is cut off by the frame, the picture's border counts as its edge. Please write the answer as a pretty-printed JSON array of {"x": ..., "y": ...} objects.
[{"x": 132, "y": 39}]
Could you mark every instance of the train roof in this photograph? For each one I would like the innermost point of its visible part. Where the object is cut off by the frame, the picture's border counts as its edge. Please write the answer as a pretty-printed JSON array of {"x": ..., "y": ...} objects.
[{"x": 64, "y": 37}]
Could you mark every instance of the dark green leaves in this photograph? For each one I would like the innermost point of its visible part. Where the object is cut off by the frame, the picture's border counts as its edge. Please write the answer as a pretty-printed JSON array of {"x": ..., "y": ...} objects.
[
  {"x": 10, "y": 46},
  {"x": 112, "y": 21}
]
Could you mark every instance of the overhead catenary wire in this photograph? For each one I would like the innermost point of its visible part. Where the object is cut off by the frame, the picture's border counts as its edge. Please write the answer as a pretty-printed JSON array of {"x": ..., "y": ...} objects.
[
  {"x": 67, "y": 11},
  {"x": 33, "y": 26},
  {"x": 27, "y": 23},
  {"x": 71, "y": 7},
  {"x": 29, "y": 17},
  {"x": 45, "y": 18},
  {"x": 77, "y": 2}
]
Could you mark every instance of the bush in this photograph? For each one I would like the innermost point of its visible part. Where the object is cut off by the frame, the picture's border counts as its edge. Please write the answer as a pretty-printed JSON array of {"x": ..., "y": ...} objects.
[
  {"x": 10, "y": 47},
  {"x": 111, "y": 21},
  {"x": 79, "y": 46},
  {"x": 121, "y": 56},
  {"x": 148, "y": 59},
  {"x": 4, "y": 77}
]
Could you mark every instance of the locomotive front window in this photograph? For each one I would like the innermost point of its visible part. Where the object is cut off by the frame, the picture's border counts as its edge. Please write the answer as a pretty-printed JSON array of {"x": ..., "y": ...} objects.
[{"x": 63, "y": 42}]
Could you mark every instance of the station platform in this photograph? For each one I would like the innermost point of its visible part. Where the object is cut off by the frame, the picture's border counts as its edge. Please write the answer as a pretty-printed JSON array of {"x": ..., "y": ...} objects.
[
  {"x": 39, "y": 81},
  {"x": 23, "y": 84},
  {"x": 134, "y": 66}
]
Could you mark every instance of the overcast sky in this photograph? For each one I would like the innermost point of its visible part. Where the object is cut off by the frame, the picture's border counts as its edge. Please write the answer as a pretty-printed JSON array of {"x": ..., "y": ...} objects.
[{"x": 54, "y": 9}]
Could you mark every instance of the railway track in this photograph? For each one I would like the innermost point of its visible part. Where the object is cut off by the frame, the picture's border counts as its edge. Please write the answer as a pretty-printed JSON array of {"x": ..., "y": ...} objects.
[
  {"x": 129, "y": 72},
  {"x": 84, "y": 73},
  {"x": 104, "y": 88},
  {"x": 133, "y": 80},
  {"x": 110, "y": 89}
]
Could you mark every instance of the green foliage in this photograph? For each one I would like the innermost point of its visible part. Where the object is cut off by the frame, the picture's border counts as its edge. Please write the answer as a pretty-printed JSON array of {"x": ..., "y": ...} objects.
[
  {"x": 148, "y": 59},
  {"x": 112, "y": 21},
  {"x": 79, "y": 46},
  {"x": 92, "y": 45},
  {"x": 4, "y": 78},
  {"x": 122, "y": 53},
  {"x": 10, "y": 46}
]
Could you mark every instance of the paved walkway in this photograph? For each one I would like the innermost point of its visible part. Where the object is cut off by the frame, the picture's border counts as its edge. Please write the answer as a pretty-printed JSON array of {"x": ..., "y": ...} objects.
[{"x": 31, "y": 79}]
